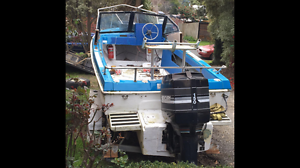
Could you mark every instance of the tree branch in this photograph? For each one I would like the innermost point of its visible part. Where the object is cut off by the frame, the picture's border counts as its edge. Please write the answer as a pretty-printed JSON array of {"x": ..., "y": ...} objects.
[
  {"x": 85, "y": 157},
  {"x": 70, "y": 142},
  {"x": 93, "y": 116},
  {"x": 94, "y": 130}
]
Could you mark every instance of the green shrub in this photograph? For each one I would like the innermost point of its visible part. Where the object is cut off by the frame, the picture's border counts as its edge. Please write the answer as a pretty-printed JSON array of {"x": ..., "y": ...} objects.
[
  {"x": 122, "y": 160},
  {"x": 81, "y": 54},
  {"x": 157, "y": 164},
  {"x": 189, "y": 38}
]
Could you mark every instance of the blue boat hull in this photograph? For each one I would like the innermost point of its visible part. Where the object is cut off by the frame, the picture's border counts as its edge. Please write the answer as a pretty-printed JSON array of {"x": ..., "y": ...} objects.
[{"x": 216, "y": 81}]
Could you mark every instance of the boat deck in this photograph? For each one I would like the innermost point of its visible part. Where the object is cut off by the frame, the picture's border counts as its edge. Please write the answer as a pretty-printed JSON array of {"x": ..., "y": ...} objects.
[{"x": 133, "y": 56}]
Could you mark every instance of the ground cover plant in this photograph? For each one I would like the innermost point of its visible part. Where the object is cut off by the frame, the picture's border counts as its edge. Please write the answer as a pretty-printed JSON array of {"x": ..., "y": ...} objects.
[{"x": 78, "y": 107}]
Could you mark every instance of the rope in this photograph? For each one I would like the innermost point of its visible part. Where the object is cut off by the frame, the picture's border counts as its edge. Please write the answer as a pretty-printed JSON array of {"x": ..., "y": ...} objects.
[{"x": 217, "y": 110}]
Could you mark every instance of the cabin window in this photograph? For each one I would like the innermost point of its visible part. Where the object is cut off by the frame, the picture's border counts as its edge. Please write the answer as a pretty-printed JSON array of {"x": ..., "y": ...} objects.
[
  {"x": 111, "y": 22},
  {"x": 178, "y": 61},
  {"x": 170, "y": 27},
  {"x": 142, "y": 18}
]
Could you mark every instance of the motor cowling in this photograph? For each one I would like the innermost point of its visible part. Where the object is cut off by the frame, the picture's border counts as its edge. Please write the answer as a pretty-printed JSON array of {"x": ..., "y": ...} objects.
[
  {"x": 186, "y": 95},
  {"x": 110, "y": 50}
]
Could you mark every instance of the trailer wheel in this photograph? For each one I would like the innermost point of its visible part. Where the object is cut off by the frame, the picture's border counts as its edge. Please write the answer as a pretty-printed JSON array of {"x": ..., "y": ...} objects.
[{"x": 72, "y": 84}]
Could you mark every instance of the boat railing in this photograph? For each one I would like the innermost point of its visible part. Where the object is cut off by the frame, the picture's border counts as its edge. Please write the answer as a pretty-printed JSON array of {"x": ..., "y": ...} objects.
[
  {"x": 165, "y": 67},
  {"x": 134, "y": 7},
  {"x": 168, "y": 46}
]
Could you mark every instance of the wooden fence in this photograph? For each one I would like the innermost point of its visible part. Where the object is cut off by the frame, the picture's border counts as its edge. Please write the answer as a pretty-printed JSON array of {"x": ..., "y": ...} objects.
[{"x": 192, "y": 29}]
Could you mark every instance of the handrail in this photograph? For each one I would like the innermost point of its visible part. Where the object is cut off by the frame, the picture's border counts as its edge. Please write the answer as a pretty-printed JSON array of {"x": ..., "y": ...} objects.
[
  {"x": 165, "y": 67},
  {"x": 178, "y": 43},
  {"x": 135, "y": 7},
  {"x": 170, "y": 45},
  {"x": 172, "y": 67}
]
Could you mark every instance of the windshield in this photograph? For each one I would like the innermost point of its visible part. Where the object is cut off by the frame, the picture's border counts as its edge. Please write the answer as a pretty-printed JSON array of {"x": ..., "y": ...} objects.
[
  {"x": 123, "y": 22},
  {"x": 142, "y": 18},
  {"x": 111, "y": 22}
]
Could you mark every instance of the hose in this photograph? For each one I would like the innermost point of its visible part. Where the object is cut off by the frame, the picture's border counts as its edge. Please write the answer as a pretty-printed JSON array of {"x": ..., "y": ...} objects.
[
  {"x": 218, "y": 115},
  {"x": 224, "y": 97}
]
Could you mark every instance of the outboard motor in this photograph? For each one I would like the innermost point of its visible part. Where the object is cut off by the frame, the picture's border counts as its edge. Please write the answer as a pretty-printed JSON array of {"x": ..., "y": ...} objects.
[{"x": 185, "y": 98}]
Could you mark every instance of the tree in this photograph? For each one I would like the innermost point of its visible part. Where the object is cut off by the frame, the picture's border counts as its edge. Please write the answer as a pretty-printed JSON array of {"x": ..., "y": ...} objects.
[
  {"x": 146, "y": 4},
  {"x": 221, "y": 28},
  {"x": 188, "y": 12},
  {"x": 81, "y": 14},
  {"x": 174, "y": 6}
]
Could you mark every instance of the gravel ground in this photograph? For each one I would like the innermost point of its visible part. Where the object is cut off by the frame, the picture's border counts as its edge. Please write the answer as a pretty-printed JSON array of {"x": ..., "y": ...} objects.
[{"x": 223, "y": 136}]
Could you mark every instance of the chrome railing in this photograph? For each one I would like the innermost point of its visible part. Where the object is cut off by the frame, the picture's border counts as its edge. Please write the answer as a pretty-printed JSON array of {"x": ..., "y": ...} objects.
[{"x": 165, "y": 67}]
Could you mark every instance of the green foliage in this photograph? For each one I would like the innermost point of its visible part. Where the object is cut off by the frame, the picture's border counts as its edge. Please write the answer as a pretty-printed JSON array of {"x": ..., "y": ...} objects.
[
  {"x": 146, "y": 4},
  {"x": 122, "y": 160},
  {"x": 174, "y": 6},
  {"x": 189, "y": 38},
  {"x": 81, "y": 54},
  {"x": 188, "y": 12},
  {"x": 86, "y": 152},
  {"x": 81, "y": 14},
  {"x": 155, "y": 164},
  {"x": 201, "y": 13},
  {"x": 221, "y": 26}
]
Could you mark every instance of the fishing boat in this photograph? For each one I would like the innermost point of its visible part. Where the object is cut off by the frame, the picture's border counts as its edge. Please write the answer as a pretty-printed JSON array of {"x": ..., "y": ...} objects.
[{"x": 161, "y": 92}]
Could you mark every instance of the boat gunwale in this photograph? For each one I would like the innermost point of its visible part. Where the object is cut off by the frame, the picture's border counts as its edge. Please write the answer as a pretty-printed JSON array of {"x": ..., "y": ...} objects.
[{"x": 130, "y": 92}]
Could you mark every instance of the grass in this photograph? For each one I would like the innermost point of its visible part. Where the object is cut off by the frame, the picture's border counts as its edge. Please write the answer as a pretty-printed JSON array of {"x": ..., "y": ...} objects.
[
  {"x": 190, "y": 39},
  {"x": 73, "y": 72},
  {"x": 80, "y": 153},
  {"x": 207, "y": 61},
  {"x": 202, "y": 43}
]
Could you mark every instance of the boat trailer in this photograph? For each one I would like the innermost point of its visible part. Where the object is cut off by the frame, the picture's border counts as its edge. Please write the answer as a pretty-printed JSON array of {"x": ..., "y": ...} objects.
[{"x": 78, "y": 62}]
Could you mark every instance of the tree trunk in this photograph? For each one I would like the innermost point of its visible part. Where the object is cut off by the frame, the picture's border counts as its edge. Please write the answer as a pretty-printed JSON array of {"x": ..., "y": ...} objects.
[
  {"x": 128, "y": 2},
  {"x": 84, "y": 37},
  {"x": 138, "y": 2},
  {"x": 88, "y": 25},
  {"x": 217, "y": 52},
  {"x": 155, "y": 7}
]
